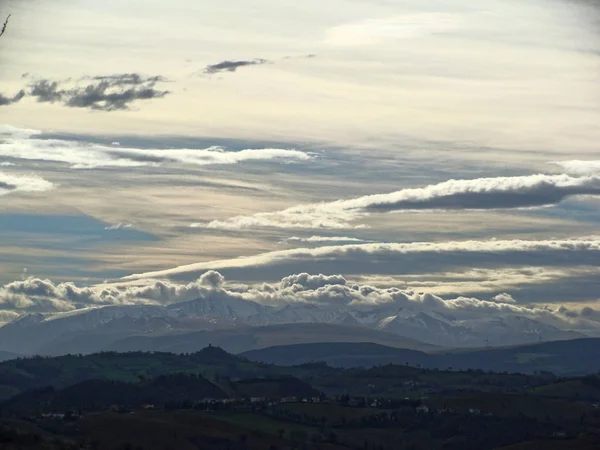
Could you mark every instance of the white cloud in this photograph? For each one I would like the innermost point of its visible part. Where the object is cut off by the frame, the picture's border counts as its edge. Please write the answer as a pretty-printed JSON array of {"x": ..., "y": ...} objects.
[
  {"x": 118, "y": 226},
  {"x": 476, "y": 194},
  {"x": 504, "y": 298},
  {"x": 26, "y": 144},
  {"x": 406, "y": 26},
  {"x": 7, "y": 164},
  {"x": 328, "y": 292},
  {"x": 367, "y": 253},
  {"x": 43, "y": 295},
  {"x": 579, "y": 167},
  {"x": 23, "y": 183}
]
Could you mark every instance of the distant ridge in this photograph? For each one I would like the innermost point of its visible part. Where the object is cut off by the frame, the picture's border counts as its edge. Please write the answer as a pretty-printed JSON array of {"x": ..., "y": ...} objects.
[
  {"x": 338, "y": 354},
  {"x": 241, "y": 339},
  {"x": 573, "y": 357}
]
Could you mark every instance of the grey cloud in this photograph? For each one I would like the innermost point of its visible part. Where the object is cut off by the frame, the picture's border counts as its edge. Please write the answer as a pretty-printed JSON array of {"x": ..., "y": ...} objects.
[
  {"x": 5, "y": 101},
  {"x": 104, "y": 93},
  {"x": 129, "y": 79},
  {"x": 144, "y": 158},
  {"x": 7, "y": 186},
  {"x": 232, "y": 66},
  {"x": 47, "y": 91}
]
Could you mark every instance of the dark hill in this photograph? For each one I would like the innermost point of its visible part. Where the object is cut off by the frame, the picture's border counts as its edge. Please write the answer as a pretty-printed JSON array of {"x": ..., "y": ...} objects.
[
  {"x": 574, "y": 357},
  {"x": 29, "y": 373},
  {"x": 101, "y": 394},
  {"x": 5, "y": 356},
  {"x": 275, "y": 388}
]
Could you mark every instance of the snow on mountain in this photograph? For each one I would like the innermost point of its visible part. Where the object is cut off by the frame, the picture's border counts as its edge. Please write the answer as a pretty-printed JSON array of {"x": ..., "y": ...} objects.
[
  {"x": 427, "y": 328},
  {"x": 220, "y": 306},
  {"x": 31, "y": 333},
  {"x": 514, "y": 330}
]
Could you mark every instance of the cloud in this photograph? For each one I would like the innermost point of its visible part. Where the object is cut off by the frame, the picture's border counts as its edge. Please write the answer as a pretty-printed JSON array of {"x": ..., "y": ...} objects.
[
  {"x": 306, "y": 281},
  {"x": 118, "y": 226},
  {"x": 320, "y": 239},
  {"x": 103, "y": 93},
  {"x": 475, "y": 194},
  {"x": 21, "y": 183},
  {"x": 395, "y": 258},
  {"x": 504, "y": 298},
  {"x": 406, "y": 26},
  {"x": 27, "y": 144},
  {"x": 43, "y": 295},
  {"x": 5, "y": 101},
  {"x": 8, "y": 316},
  {"x": 579, "y": 167},
  {"x": 232, "y": 66},
  {"x": 330, "y": 293}
]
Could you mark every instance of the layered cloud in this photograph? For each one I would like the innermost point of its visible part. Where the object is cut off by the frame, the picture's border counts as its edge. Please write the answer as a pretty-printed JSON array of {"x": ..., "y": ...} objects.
[
  {"x": 476, "y": 194},
  {"x": 23, "y": 183},
  {"x": 399, "y": 258},
  {"x": 100, "y": 93},
  {"x": 28, "y": 145}
]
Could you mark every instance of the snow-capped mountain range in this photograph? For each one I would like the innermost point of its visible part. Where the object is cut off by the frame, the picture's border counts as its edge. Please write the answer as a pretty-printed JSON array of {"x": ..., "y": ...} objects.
[{"x": 37, "y": 333}]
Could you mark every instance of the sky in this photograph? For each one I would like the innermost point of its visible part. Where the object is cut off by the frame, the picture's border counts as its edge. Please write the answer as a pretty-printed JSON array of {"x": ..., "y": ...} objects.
[{"x": 447, "y": 148}]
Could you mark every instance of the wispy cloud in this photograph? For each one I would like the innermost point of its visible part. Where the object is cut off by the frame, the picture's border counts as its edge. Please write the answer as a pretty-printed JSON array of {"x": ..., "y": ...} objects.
[
  {"x": 232, "y": 66},
  {"x": 26, "y": 144},
  {"x": 23, "y": 183},
  {"x": 476, "y": 194}
]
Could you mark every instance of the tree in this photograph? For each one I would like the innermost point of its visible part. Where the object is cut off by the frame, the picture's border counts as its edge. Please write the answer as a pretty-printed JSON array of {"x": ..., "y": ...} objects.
[{"x": 5, "y": 25}]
